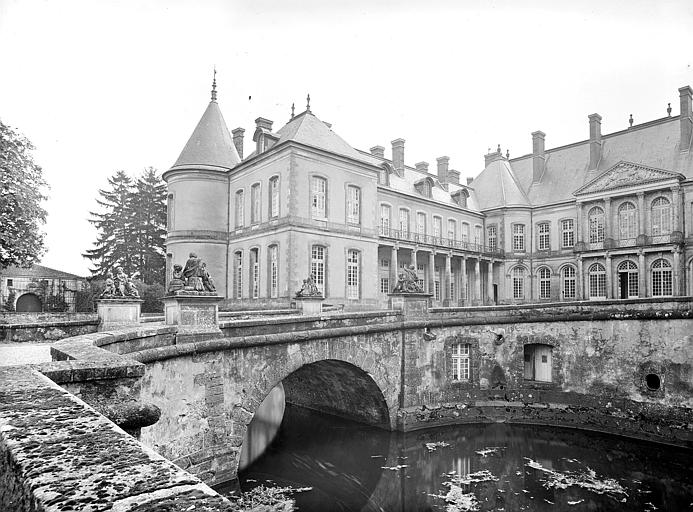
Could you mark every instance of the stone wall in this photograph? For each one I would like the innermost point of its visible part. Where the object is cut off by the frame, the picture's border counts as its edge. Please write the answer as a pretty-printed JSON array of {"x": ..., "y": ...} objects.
[{"x": 45, "y": 330}]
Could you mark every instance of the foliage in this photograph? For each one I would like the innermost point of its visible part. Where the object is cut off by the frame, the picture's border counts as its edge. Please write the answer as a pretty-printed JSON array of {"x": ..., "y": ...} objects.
[
  {"x": 9, "y": 303},
  {"x": 21, "y": 193},
  {"x": 151, "y": 294},
  {"x": 84, "y": 299},
  {"x": 131, "y": 227}
]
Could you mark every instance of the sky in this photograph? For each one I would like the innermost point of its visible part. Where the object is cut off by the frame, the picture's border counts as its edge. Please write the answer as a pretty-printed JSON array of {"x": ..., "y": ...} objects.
[{"x": 100, "y": 86}]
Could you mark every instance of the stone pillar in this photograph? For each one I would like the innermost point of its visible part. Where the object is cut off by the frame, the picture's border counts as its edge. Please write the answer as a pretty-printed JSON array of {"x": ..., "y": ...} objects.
[
  {"x": 477, "y": 282},
  {"x": 394, "y": 268},
  {"x": 195, "y": 313},
  {"x": 489, "y": 285},
  {"x": 310, "y": 305},
  {"x": 578, "y": 224},
  {"x": 463, "y": 281},
  {"x": 642, "y": 274},
  {"x": 432, "y": 273},
  {"x": 580, "y": 281},
  {"x": 609, "y": 278},
  {"x": 608, "y": 231},
  {"x": 446, "y": 281},
  {"x": 676, "y": 208},
  {"x": 641, "y": 213},
  {"x": 410, "y": 304},
  {"x": 414, "y": 252},
  {"x": 676, "y": 272},
  {"x": 118, "y": 313}
]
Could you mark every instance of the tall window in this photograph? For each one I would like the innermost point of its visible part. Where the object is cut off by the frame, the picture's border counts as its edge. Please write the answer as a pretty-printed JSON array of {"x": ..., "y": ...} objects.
[
  {"x": 568, "y": 281},
  {"x": 255, "y": 203},
  {"x": 597, "y": 279},
  {"x": 543, "y": 236},
  {"x": 545, "y": 283},
  {"x": 169, "y": 212},
  {"x": 627, "y": 279},
  {"x": 274, "y": 196},
  {"x": 437, "y": 227},
  {"x": 238, "y": 274},
  {"x": 518, "y": 283},
  {"x": 518, "y": 237},
  {"x": 254, "y": 273},
  {"x": 404, "y": 222},
  {"x": 465, "y": 232},
  {"x": 452, "y": 229},
  {"x": 385, "y": 219},
  {"x": 426, "y": 188},
  {"x": 421, "y": 223},
  {"x": 353, "y": 205},
  {"x": 596, "y": 222},
  {"x": 274, "y": 271},
  {"x": 661, "y": 216},
  {"x": 567, "y": 233},
  {"x": 460, "y": 361},
  {"x": 626, "y": 221},
  {"x": 352, "y": 274},
  {"x": 317, "y": 266},
  {"x": 661, "y": 278},
  {"x": 538, "y": 362},
  {"x": 492, "y": 237},
  {"x": 240, "y": 209},
  {"x": 477, "y": 235},
  {"x": 318, "y": 187},
  {"x": 452, "y": 286}
]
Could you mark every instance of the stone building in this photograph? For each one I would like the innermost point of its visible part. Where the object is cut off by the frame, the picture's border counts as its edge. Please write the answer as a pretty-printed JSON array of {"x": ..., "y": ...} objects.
[
  {"x": 599, "y": 218},
  {"x": 39, "y": 288}
]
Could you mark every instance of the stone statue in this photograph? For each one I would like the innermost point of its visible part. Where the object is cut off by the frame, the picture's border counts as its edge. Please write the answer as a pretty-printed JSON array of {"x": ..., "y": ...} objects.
[
  {"x": 309, "y": 288},
  {"x": 408, "y": 281},
  {"x": 177, "y": 282},
  {"x": 192, "y": 274},
  {"x": 124, "y": 286},
  {"x": 109, "y": 290},
  {"x": 207, "y": 281}
]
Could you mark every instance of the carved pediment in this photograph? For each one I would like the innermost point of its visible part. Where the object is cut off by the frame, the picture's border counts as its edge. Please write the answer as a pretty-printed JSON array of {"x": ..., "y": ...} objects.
[{"x": 626, "y": 174}]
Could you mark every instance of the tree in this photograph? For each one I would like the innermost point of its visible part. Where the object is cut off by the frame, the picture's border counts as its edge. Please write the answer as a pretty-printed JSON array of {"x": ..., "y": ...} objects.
[
  {"x": 21, "y": 193},
  {"x": 9, "y": 303},
  {"x": 131, "y": 228}
]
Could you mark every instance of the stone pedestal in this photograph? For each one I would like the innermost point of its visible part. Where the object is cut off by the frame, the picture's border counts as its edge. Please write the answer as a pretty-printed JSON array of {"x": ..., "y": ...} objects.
[
  {"x": 117, "y": 313},
  {"x": 411, "y": 304},
  {"x": 195, "y": 313},
  {"x": 310, "y": 304}
]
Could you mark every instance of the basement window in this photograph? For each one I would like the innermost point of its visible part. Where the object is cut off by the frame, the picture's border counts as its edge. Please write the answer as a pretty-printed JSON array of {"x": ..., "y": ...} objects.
[
  {"x": 460, "y": 361},
  {"x": 653, "y": 382},
  {"x": 538, "y": 362}
]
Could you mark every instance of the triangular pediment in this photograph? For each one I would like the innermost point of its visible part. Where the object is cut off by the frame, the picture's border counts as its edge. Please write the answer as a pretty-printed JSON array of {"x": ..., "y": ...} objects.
[{"x": 626, "y": 174}]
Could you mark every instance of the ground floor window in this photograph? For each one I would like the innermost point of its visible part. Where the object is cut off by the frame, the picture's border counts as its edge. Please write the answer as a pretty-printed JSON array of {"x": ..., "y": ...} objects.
[
  {"x": 661, "y": 278},
  {"x": 568, "y": 279},
  {"x": 544, "y": 283},
  {"x": 452, "y": 286},
  {"x": 538, "y": 362},
  {"x": 317, "y": 266},
  {"x": 238, "y": 274},
  {"x": 384, "y": 285},
  {"x": 254, "y": 273},
  {"x": 353, "y": 274},
  {"x": 627, "y": 280},
  {"x": 460, "y": 361},
  {"x": 597, "y": 279},
  {"x": 437, "y": 291},
  {"x": 274, "y": 271},
  {"x": 518, "y": 283}
]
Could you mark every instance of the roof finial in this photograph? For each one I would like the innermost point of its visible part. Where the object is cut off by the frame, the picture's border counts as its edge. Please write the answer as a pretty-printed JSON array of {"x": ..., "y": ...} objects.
[
  {"x": 308, "y": 103},
  {"x": 507, "y": 153},
  {"x": 293, "y": 110},
  {"x": 630, "y": 121},
  {"x": 669, "y": 109},
  {"x": 499, "y": 149},
  {"x": 214, "y": 85}
]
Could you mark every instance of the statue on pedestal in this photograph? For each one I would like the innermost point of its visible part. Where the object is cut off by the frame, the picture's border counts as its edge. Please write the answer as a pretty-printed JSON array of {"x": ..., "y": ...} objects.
[
  {"x": 408, "y": 281},
  {"x": 309, "y": 288},
  {"x": 177, "y": 282},
  {"x": 193, "y": 279}
]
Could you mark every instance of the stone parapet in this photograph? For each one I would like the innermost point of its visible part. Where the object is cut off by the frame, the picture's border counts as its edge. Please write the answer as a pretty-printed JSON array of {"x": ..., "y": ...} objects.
[
  {"x": 115, "y": 313},
  {"x": 196, "y": 314},
  {"x": 411, "y": 304}
]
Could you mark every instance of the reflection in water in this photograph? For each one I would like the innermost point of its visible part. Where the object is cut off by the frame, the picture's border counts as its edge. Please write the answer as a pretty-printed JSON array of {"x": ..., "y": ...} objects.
[
  {"x": 344, "y": 463},
  {"x": 263, "y": 427}
]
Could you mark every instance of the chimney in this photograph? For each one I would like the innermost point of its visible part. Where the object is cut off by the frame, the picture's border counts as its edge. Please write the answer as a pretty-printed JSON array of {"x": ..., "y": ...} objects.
[
  {"x": 595, "y": 140},
  {"x": 422, "y": 166},
  {"x": 263, "y": 123},
  {"x": 453, "y": 177},
  {"x": 378, "y": 151},
  {"x": 238, "y": 140},
  {"x": 686, "y": 117},
  {"x": 538, "y": 158},
  {"x": 443, "y": 162},
  {"x": 469, "y": 181},
  {"x": 398, "y": 156}
]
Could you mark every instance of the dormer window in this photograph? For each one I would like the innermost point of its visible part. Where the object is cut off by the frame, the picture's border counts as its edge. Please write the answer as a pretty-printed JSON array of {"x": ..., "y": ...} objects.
[
  {"x": 460, "y": 197},
  {"x": 424, "y": 187}
]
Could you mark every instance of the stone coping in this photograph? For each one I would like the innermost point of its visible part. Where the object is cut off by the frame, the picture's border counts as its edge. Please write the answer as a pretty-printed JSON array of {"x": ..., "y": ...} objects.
[
  {"x": 48, "y": 323},
  {"x": 292, "y": 319},
  {"x": 57, "y": 453}
]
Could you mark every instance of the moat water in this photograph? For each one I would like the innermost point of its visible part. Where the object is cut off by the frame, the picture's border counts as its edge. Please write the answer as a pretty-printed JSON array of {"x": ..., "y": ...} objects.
[{"x": 499, "y": 467}]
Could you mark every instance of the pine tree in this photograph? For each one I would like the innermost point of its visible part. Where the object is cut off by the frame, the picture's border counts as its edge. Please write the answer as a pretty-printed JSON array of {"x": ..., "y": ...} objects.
[
  {"x": 148, "y": 210},
  {"x": 115, "y": 243}
]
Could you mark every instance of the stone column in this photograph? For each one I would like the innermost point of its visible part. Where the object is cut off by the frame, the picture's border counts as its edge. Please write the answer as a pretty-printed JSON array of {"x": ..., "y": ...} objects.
[
  {"x": 642, "y": 274},
  {"x": 609, "y": 278},
  {"x": 463, "y": 281},
  {"x": 641, "y": 213},
  {"x": 489, "y": 285},
  {"x": 477, "y": 282},
  {"x": 608, "y": 231},
  {"x": 579, "y": 281},
  {"x": 432, "y": 273},
  {"x": 578, "y": 224},
  {"x": 446, "y": 281},
  {"x": 394, "y": 267},
  {"x": 676, "y": 272},
  {"x": 413, "y": 258},
  {"x": 676, "y": 208}
]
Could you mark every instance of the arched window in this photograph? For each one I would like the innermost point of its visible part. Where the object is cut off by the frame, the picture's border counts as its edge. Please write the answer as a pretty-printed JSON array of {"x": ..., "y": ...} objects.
[
  {"x": 353, "y": 205},
  {"x": 169, "y": 212},
  {"x": 544, "y": 283},
  {"x": 353, "y": 277},
  {"x": 385, "y": 212},
  {"x": 661, "y": 278},
  {"x": 254, "y": 273},
  {"x": 596, "y": 222},
  {"x": 274, "y": 197},
  {"x": 318, "y": 266},
  {"x": 240, "y": 209},
  {"x": 627, "y": 279},
  {"x": 318, "y": 197},
  {"x": 661, "y": 216},
  {"x": 518, "y": 283},
  {"x": 238, "y": 274},
  {"x": 426, "y": 188},
  {"x": 568, "y": 282},
  {"x": 255, "y": 203},
  {"x": 538, "y": 364},
  {"x": 597, "y": 279},
  {"x": 273, "y": 251},
  {"x": 627, "y": 221}
]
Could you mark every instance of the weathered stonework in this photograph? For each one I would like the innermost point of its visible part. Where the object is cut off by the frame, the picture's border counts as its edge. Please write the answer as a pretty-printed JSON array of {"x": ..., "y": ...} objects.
[
  {"x": 116, "y": 313},
  {"x": 195, "y": 315}
]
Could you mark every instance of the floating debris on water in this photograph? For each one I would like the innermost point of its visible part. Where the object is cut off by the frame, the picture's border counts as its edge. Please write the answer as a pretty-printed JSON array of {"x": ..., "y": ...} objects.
[
  {"x": 458, "y": 500},
  {"x": 276, "y": 498},
  {"x": 377, "y": 456},
  {"x": 395, "y": 468},
  {"x": 434, "y": 446},
  {"x": 485, "y": 452},
  {"x": 587, "y": 479}
]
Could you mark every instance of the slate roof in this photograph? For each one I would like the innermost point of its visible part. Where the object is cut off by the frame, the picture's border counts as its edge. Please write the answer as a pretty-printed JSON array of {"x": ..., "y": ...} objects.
[
  {"x": 497, "y": 186},
  {"x": 38, "y": 272},
  {"x": 210, "y": 145}
]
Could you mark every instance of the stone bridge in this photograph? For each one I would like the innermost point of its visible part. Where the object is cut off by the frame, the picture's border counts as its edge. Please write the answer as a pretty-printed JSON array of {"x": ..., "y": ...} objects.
[{"x": 621, "y": 367}]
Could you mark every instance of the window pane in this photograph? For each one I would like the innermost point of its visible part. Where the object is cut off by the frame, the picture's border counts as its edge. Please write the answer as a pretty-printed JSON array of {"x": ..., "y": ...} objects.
[
  {"x": 353, "y": 274},
  {"x": 317, "y": 267},
  {"x": 319, "y": 190},
  {"x": 353, "y": 205}
]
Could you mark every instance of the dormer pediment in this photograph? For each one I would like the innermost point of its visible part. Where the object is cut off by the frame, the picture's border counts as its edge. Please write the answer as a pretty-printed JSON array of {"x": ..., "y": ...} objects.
[
  {"x": 625, "y": 175},
  {"x": 424, "y": 186}
]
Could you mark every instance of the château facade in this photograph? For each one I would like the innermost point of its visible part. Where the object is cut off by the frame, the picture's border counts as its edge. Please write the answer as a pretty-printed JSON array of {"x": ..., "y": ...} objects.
[{"x": 603, "y": 218}]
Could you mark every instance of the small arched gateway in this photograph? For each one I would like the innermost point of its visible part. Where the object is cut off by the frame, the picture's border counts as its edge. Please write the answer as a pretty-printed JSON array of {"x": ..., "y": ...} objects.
[{"x": 29, "y": 303}]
